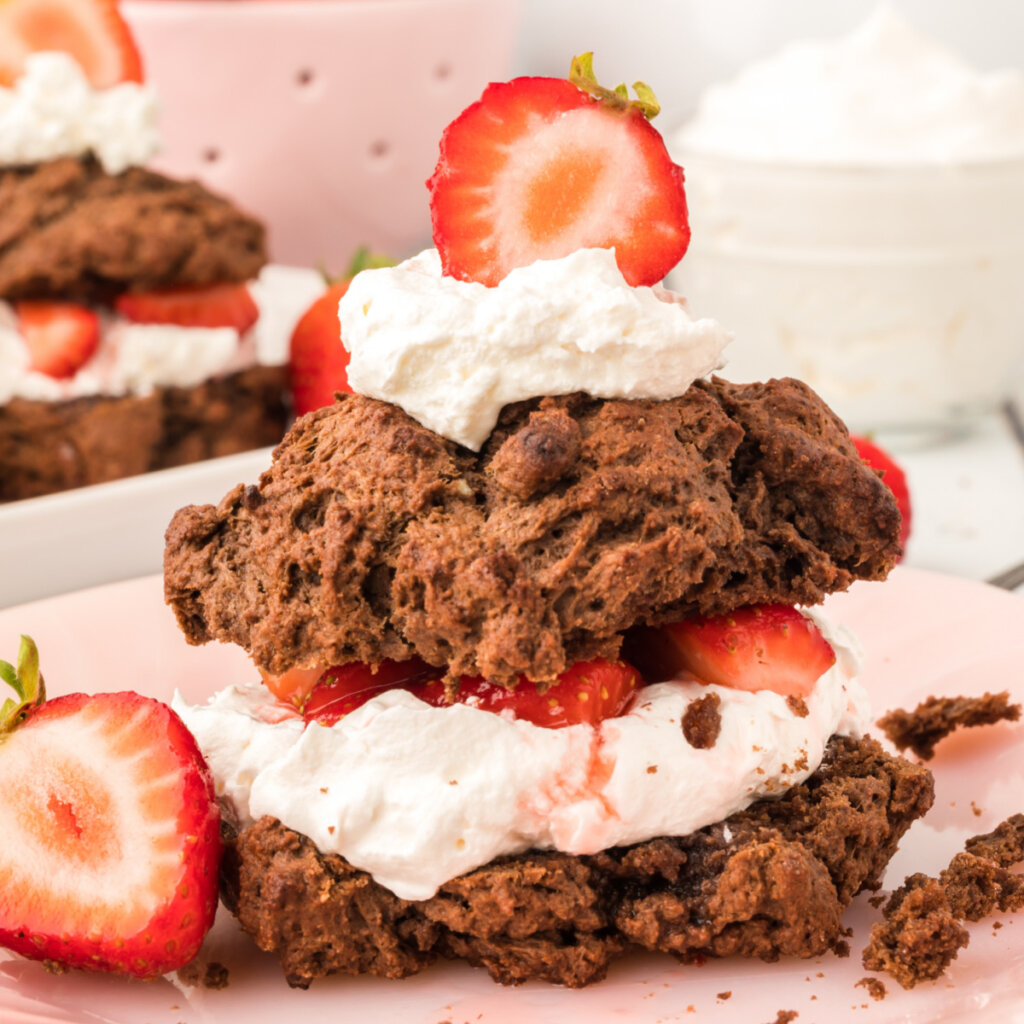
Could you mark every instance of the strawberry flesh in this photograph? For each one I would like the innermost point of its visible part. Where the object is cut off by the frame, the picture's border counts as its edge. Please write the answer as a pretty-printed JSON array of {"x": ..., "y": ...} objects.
[
  {"x": 219, "y": 305},
  {"x": 756, "y": 647},
  {"x": 111, "y": 836},
  {"x": 60, "y": 336},
  {"x": 538, "y": 168},
  {"x": 91, "y": 31}
]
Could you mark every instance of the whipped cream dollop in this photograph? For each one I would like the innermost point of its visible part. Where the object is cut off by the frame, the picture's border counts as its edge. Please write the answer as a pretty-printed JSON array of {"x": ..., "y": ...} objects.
[
  {"x": 417, "y": 795},
  {"x": 135, "y": 359},
  {"x": 53, "y": 111},
  {"x": 452, "y": 353},
  {"x": 884, "y": 94}
]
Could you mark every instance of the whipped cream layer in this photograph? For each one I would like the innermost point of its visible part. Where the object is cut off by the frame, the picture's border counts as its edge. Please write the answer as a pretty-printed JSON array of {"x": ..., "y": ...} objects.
[
  {"x": 416, "y": 795},
  {"x": 452, "y": 353},
  {"x": 135, "y": 359},
  {"x": 53, "y": 111},
  {"x": 884, "y": 94}
]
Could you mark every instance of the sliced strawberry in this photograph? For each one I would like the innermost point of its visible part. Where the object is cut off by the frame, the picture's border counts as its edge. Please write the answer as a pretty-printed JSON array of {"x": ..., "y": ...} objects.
[
  {"x": 294, "y": 685},
  {"x": 757, "y": 647},
  {"x": 892, "y": 475},
  {"x": 318, "y": 360},
  {"x": 587, "y": 693},
  {"x": 61, "y": 337},
  {"x": 218, "y": 305},
  {"x": 540, "y": 167},
  {"x": 110, "y": 832},
  {"x": 92, "y": 31},
  {"x": 342, "y": 689}
]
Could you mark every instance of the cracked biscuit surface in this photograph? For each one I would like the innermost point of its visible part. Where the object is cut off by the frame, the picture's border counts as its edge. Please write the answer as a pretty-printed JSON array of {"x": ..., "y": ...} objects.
[{"x": 371, "y": 537}]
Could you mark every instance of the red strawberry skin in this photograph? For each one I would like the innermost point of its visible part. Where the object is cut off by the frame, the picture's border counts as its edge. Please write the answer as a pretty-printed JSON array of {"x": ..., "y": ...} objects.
[
  {"x": 892, "y": 475},
  {"x": 219, "y": 305},
  {"x": 317, "y": 358},
  {"x": 110, "y": 836},
  {"x": 756, "y": 647},
  {"x": 61, "y": 336},
  {"x": 538, "y": 168}
]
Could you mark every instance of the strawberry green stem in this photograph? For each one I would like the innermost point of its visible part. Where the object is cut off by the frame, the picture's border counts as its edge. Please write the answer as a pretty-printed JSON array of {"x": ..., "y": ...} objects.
[
  {"x": 581, "y": 74},
  {"x": 27, "y": 683}
]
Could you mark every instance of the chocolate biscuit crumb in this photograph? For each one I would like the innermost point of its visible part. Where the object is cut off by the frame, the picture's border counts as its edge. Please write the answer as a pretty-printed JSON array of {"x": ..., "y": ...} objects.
[
  {"x": 652, "y": 769},
  {"x": 875, "y": 987},
  {"x": 784, "y": 1017},
  {"x": 936, "y": 717},
  {"x": 724, "y": 995},
  {"x": 702, "y": 721},
  {"x": 877, "y": 900},
  {"x": 215, "y": 976},
  {"x": 841, "y": 949},
  {"x": 798, "y": 706},
  {"x": 919, "y": 936},
  {"x": 1004, "y": 845}
]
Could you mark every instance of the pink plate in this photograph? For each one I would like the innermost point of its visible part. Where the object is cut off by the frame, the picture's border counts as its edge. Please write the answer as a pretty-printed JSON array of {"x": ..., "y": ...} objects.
[{"x": 925, "y": 633}]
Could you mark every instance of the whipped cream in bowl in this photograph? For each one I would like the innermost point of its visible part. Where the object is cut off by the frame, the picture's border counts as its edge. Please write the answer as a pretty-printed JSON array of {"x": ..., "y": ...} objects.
[
  {"x": 453, "y": 353},
  {"x": 416, "y": 795},
  {"x": 858, "y": 222}
]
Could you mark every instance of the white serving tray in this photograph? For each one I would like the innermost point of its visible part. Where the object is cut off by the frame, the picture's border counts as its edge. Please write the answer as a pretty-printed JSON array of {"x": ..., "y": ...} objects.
[{"x": 108, "y": 532}]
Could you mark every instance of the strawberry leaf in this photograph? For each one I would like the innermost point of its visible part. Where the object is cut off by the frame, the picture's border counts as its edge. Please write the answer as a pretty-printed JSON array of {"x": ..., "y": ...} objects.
[
  {"x": 581, "y": 74},
  {"x": 26, "y": 682}
]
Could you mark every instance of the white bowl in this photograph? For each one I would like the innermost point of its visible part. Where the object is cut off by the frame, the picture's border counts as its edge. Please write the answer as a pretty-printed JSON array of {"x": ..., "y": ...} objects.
[
  {"x": 322, "y": 117},
  {"x": 895, "y": 292}
]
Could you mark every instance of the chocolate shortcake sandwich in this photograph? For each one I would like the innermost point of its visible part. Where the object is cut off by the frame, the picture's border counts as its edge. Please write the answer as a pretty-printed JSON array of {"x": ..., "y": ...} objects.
[
  {"x": 541, "y": 682},
  {"x": 140, "y": 326}
]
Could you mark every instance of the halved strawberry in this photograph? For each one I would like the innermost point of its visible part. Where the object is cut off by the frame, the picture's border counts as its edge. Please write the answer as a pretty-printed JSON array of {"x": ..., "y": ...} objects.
[
  {"x": 586, "y": 693},
  {"x": 342, "y": 689},
  {"x": 92, "y": 31},
  {"x": 217, "y": 305},
  {"x": 757, "y": 647},
  {"x": 318, "y": 361},
  {"x": 61, "y": 336},
  {"x": 894, "y": 478},
  {"x": 540, "y": 167},
  {"x": 111, "y": 833}
]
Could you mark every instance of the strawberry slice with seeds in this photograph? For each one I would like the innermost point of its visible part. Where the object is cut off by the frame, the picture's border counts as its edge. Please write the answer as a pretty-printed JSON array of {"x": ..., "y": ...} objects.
[
  {"x": 61, "y": 336},
  {"x": 219, "y": 305},
  {"x": 91, "y": 31},
  {"x": 111, "y": 830},
  {"x": 540, "y": 167},
  {"x": 586, "y": 693},
  {"x": 342, "y": 689},
  {"x": 756, "y": 647}
]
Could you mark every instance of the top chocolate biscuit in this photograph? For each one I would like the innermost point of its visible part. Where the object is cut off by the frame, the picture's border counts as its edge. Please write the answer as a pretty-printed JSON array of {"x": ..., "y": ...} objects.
[
  {"x": 371, "y": 537},
  {"x": 70, "y": 231}
]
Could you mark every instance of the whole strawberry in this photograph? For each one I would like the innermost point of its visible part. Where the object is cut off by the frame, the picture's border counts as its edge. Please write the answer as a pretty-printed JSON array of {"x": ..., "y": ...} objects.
[
  {"x": 892, "y": 475},
  {"x": 317, "y": 359},
  {"x": 540, "y": 167},
  {"x": 110, "y": 829}
]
